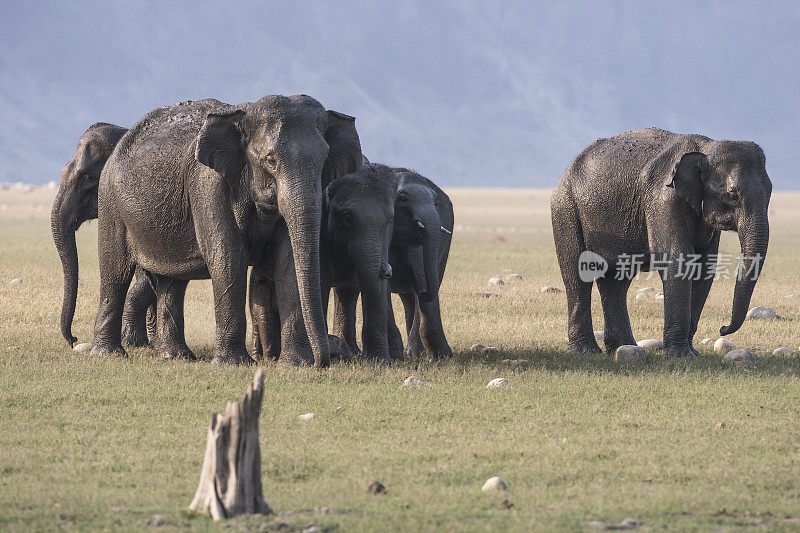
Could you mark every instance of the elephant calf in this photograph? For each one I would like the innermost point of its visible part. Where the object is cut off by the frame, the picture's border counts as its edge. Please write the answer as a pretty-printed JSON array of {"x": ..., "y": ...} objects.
[{"x": 660, "y": 199}]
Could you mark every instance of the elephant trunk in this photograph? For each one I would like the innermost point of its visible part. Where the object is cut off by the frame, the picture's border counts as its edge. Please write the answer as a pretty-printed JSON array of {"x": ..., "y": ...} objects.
[
  {"x": 64, "y": 224},
  {"x": 754, "y": 239},
  {"x": 302, "y": 210},
  {"x": 430, "y": 253},
  {"x": 372, "y": 273}
]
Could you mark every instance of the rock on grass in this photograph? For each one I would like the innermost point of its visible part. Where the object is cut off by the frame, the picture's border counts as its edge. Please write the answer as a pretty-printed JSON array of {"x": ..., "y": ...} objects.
[
  {"x": 782, "y": 351},
  {"x": 414, "y": 381},
  {"x": 83, "y": 347},
  {"x": 549, "y": 289},
  {"x": 739, "y": 356},
  {"x": 494, "y": 483},
  {"x": 496, "y": 281},
  {"x": 629, "y": 353},
  {"x": 496, "y": 383},
  {"x": 514, "y": 277},
  {"x": 376, "y": 487},
  {"x": 761, "y": 313},
  {"x": 15, "y": 281},
  {"x": 651, "y": 344},
  {"x": 490, "y": 350},
  {"x": 640, "y": 296},
  {"x": 477, "y": 347},
  {"x": 723, "y": 346},
  {"x": 707, "y": 341},
  {"x": 307, "y": 416}
]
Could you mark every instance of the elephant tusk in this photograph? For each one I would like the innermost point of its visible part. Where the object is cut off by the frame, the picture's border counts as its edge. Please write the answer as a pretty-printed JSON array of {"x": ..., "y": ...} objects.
[
  {"x": 447, "y": 231},
  {"x": 420, "y": 225}
]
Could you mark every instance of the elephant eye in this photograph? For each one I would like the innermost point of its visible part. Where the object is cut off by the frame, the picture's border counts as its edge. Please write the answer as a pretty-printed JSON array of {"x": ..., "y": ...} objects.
[
  {"x": 270, "y": 160},
  {"x": 732, "y": 196},
  {"x": 402, "y": 198}
]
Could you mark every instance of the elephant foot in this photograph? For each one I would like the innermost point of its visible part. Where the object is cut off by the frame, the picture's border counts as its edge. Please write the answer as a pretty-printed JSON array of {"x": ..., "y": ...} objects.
[
  {"x": 232, "y": 356},
  {"x": 134, "y": 337},
  {"x": 585, "y": 347},
  {"x": 396, "y": 351},
  {"x": 109, "y": 349},
  {"x": 297, "y": 356},
  {"x": 340, "y": 351},
  {"x": 381, "y": 360},
  {"x": 174, "y": 351},
  {"x": 675, "y": 352},
  {"x": 694, "y": 351}
]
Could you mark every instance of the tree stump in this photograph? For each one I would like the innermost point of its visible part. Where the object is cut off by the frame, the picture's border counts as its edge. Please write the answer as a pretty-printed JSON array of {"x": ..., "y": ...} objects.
[{"x": 230, "y": 481}]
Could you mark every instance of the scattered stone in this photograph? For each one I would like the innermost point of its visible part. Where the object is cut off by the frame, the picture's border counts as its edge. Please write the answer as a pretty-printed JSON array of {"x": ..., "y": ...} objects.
[
  {"x": 494, "y": 483},
  {"x": 739, "y": 356},
  {"x": 647, "y": 290},
  {"x": 651, "y": 344},
  {"x": 414, "y": 381},
  {"x": 720, "y": 425},
  {"x": 307, "y": 416},
  {"x": 487, "y": 294},
  {"x": 490, "y": 350},
  {"x": 706, "y": 341},
  {"x": 311, "y": 529},
  {"x": 15, "y": 281},
  {"x": 627, "y": 523},
  {"x": 497, "y": 383},
  {"x": 599, "y": 335},
  {"x": 376, "y": 487},
  {"x": 629, "y": 353},
  {"x": 782, "y": 351},
  {"x": 659, "y": 296},
  {"x": 477, "y": 347},
  {"x": 496, "y": 282},
  {"x": 549, "y": 289},
  {"x": 723, "y": 346},
  {"x": 757, "y": 313},
  {"x": 83, "y": 347},
  {"x": 514, "y": 277},
  {"x": 640, "y": 296}
]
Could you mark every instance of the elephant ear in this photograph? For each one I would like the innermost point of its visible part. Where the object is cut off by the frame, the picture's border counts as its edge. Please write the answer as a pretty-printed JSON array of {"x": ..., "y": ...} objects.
[
  {"x": 687, "y": 179},
  {"x": 219, "y": 143},
  {"x": 344, "y": 155}
]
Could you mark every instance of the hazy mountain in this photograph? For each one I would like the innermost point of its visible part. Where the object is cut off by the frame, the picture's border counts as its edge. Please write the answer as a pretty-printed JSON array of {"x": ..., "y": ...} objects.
[{"x": 469, "y": 93}]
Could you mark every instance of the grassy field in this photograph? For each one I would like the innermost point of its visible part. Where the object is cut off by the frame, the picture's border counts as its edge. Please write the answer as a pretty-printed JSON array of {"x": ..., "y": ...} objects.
[{"x": 93, "y": 443}]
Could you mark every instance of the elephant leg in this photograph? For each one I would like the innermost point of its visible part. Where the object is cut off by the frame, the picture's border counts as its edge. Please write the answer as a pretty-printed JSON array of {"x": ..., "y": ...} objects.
[
  {"x": 134, "y": 316},
  {"x": 171, "y": 342},
  {"x": 152, "y": 326},
  {"x": 295, "y": 345},
  {"x": 393, "y": 333},
  {"x": 569, "y": 245},
  {"x": 116, "y": 272},
  {"x": 345, "y": 302},
  {"x": 678, "y": 299},
  {"x": 614, "y": 296},
  {"x": 264, "y": 315},
  {"x": 700, "y": 289},
  {"x": 431, "y": 331}
]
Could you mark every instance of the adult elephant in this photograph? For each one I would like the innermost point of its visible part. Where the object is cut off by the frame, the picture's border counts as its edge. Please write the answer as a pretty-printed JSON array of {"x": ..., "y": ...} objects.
[
  {"x": 196, "y": 190},
  {"x": 75, "y": 203},
  {"x": 663, "y": 198}
]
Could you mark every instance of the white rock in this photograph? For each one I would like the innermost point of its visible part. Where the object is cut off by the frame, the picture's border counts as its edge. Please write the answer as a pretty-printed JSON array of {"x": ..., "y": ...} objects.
[
  {"x": 550, "y": 289},
  {"x": 761, "y": 313},
  {"x": 599, "y": 335},
  {"x": 723, "y": 346},
  {"x": 629, "y": 353},
  {"x": 659, "y": 296},
  {"x": 494, "y": 483},
  {"x": 706, "y": 341},
  {"x": 651, "y": 344},
  {"x": 490, "y": 350},
  {"x": 647, "y": 290},
  {"x": 307, "y": 416},
  {"x": 643, "y": 296},
  {"x": 83, "y": 347},
  {"x": 782, "y": 351},
  {"x": 15, "y": 281},
  {"x": 739, "y": 356},
  {"x": 496, "y": 282},
  {"x": 514, "y": 277},
  {"x": 414, "y": 381},
  {"x": 477, "y": 347},
  {"x": 496, "y": 383}
]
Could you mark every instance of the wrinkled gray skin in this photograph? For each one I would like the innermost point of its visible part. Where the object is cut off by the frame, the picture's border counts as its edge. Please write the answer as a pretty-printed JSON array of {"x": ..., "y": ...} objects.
[
  {"x": 198, "y": 190},
  {"x": 654, "y": 192},
  {"x": 422, "y": 233},
  {"x": 75, "y": 203},
  {"x": 356, "y": 233}
]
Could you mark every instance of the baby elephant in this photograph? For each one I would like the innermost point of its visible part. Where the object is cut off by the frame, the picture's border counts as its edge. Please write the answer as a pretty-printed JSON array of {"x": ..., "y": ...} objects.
[
  {"x": 358, "y": 213},
  {"x": 654, "y": 200},
  {"x": 421, "y": 236}
]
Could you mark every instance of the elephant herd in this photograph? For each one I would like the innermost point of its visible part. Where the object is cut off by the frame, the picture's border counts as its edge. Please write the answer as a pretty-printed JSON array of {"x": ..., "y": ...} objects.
[{"x": 204, "y": 189}]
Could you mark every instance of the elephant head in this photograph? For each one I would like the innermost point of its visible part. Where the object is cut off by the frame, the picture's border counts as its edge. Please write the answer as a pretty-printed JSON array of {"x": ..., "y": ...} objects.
[
  {"x": 75, "y": 203},
  {"x": 282, "y": 151},
  {"x": 417, "y": 232},
  {"x": 360, "y": 215},
  {"x": 726, "y": 183}
]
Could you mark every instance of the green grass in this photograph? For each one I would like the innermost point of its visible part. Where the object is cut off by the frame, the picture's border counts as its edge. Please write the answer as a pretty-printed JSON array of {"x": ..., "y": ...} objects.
[{"x": 97, "y": 443}]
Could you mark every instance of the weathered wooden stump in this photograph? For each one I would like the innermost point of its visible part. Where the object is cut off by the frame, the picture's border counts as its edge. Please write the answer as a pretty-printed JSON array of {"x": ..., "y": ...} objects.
[{"x": 230, "y": 482}]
